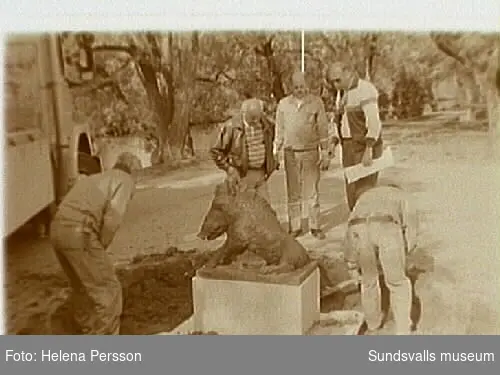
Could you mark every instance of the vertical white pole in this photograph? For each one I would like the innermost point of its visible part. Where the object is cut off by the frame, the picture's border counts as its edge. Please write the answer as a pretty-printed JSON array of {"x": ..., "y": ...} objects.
[{"x": 302, "y": 54}]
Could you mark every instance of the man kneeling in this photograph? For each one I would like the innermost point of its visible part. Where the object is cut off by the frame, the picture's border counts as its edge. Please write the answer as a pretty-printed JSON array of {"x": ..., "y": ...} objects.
[{"x": 381, "y": 232}]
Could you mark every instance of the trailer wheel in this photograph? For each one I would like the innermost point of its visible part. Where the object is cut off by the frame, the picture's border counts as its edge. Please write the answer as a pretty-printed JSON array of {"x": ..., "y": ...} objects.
[{"x": 88, "y": 164}]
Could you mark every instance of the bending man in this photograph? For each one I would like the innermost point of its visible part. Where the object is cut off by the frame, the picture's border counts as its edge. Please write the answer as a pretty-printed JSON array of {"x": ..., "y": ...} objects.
[
  {"x": 382, "y": 230},
  {"x": 82, "y": 230}
]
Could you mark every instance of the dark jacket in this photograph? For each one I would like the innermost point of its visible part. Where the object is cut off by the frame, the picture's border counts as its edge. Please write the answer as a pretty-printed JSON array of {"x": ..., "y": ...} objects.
[{"x": 230, "y": 148}]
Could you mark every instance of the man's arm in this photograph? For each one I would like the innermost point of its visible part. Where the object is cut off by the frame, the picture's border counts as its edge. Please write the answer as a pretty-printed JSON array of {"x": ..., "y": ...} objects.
[
  {"x": 409, "y": 215},
  {"x": 351, "y": 255},
  {"x": 333, "y": 135},
  {"x": 218, "y": 152},
  {"x": 369, "y": 104},
  {"x": 279, "y": 128},
  {"x": 324, "y": 140},
  {"x": 269, "y": 124},
  {"x": 115, "y": 210}
]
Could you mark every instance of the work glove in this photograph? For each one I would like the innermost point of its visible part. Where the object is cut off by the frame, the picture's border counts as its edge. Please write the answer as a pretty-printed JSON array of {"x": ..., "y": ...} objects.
[
  {"x": 324, "y": 160},
  {"x": 233, "y": 180}
]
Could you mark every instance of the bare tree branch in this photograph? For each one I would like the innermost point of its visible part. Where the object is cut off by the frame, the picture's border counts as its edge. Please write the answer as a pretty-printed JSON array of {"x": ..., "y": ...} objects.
[
  {"x": 445, "y": 45},
  {"x": 214, "y": 79},
  {"x": 298, "y": 51},
  {"x": 240, "y": 60},
  {"x": 497, "y": 73},
  {"x": 131, "y": 50},
  {"x": 209, "y": 80},
  {"x": 259, "y": 50},
  {"x": 82, "y": 88},
  {"x": 327, "y": 44},
  {"x": 210, "y": 121}
]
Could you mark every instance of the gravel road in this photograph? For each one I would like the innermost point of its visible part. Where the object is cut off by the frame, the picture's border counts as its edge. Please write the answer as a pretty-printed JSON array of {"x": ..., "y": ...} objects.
[{"x": 456, "y": 189}]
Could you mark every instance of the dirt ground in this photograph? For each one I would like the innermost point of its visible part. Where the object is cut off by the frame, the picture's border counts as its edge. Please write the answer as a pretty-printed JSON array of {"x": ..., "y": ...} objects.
[
  {"x": 443, "y": 165},
  {"x": 157, "y": 296},
  {"x": 156, "y": 291}
]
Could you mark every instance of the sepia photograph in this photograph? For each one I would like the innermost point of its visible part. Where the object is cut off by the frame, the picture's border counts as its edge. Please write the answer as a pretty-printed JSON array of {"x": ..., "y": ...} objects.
[{"x": 251, "y": 182}]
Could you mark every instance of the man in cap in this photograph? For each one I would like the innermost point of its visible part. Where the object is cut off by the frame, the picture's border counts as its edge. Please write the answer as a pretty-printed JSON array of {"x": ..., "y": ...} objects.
[
  {"x": 82, "y": 230},
  {"x": 381, "y": 235},
  {"x": 302, "y": 131},
  {"x": 358, "y": 127},
  {"x": 244, "y": 149}
]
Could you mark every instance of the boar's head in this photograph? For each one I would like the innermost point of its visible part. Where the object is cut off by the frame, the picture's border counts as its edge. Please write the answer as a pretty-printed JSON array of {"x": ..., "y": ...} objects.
[{"x": 217, "y": 219}]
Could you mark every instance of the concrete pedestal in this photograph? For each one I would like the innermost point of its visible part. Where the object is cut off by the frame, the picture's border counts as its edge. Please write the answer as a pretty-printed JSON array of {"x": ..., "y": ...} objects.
[{"x": 244, "y": 302}]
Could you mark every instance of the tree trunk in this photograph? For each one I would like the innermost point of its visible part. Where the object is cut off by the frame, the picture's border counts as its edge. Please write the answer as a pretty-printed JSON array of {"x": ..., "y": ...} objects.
[
  {"x": 371, "y": 51},
  {"x": 157, "y": 102},
  {"x": 470, "y": 114},
  {"x": 266, "y": 50},
  {"x": 492, "y": 93},
  {"x": 487, "y": 82},
  {"x": 492, "y": 101},
  {"x": 185, "y": 73},
  {"x": 469, "y": 81}
]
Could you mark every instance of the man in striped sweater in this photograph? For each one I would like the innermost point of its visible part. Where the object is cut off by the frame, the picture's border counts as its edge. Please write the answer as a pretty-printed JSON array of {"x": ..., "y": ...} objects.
[{"x": 244, "y": 149}]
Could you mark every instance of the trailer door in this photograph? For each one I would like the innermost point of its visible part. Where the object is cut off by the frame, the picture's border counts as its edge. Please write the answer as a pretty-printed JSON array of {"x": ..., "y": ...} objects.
[{"x": 28, "y": 176}]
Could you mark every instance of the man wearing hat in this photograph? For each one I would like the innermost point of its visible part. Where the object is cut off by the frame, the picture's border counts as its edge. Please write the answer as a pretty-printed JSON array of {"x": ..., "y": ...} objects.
[
  {"x": 244, "y": 149},
  {"x": 82, "y": 230}
]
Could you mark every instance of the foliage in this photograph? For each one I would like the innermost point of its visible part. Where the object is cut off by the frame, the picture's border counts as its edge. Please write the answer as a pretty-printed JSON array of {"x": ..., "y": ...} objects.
[
  {"x": 232, "y": 66},
  {"x": 409, "y": 96}
]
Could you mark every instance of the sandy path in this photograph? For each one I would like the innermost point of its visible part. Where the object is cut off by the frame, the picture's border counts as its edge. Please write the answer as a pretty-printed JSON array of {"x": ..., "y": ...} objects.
[{"x": 456, "y": 190}]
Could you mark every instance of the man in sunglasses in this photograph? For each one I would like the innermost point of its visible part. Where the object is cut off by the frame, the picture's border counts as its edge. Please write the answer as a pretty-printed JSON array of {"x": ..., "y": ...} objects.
[
  {"x": 358, "y": 124},
  {"x": 302, "y": 130}
]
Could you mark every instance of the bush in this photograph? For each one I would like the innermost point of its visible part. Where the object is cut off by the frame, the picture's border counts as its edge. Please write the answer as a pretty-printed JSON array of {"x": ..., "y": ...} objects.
[
  {"x": 409, "y": 96},
  {"x": 384, "y": 103}
]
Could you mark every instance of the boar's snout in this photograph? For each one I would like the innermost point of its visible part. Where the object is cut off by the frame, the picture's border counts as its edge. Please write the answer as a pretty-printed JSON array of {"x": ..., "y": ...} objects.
[{"x": 213, "y": 226}]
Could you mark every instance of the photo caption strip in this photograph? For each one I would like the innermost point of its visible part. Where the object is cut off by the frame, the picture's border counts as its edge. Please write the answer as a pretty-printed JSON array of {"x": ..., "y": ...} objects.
[{"x": 221, "y": 355}]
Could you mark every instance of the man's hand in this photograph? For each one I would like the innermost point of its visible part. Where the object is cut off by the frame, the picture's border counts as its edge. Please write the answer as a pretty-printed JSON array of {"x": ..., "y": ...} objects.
[
  {"x": 278, "y": 153},
  {"x": 331, "y": 149},
  {"x": 367, "y": 159},
  {"x": 233, "y": 180},
  {"x": 324, "y": 161},
  {"x": 353, "y": 271},
  {"x": 106, "y": 238}
]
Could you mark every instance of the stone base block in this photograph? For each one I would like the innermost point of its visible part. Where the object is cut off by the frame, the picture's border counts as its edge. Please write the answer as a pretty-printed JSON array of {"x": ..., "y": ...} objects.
[
  {"x": 241, "y": 302},
  {"x": 334, "y": 323}
]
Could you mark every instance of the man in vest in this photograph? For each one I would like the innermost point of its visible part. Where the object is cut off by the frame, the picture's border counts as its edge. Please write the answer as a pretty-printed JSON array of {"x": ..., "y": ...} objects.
[
  {"x": 302, "y": 132},
  {"x": 244, "y": 149},
  {"x": 381, "y": 234},
  {"x": 82, "y": 230},
  {"x": 358, "y": 127}
]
